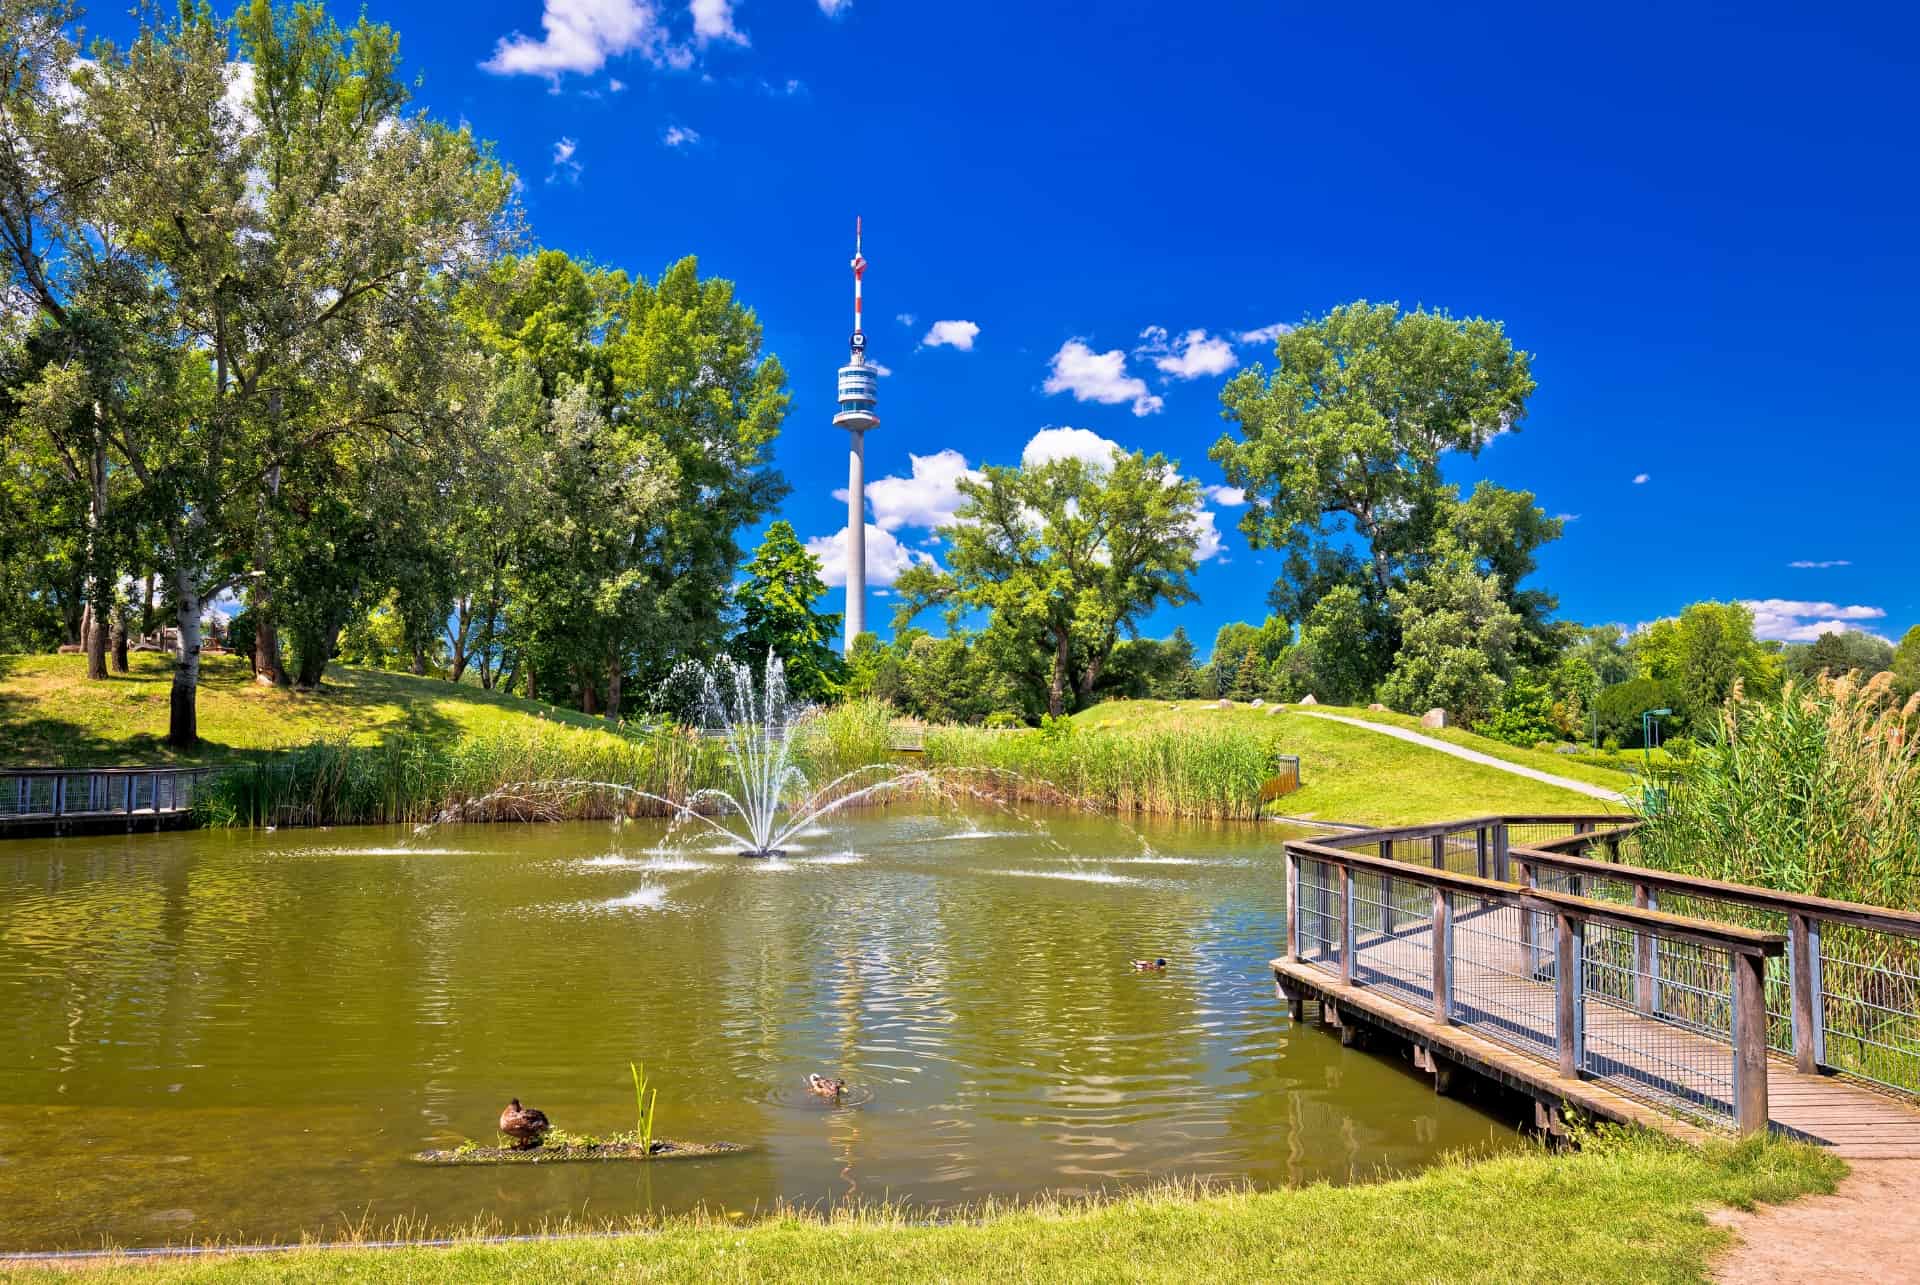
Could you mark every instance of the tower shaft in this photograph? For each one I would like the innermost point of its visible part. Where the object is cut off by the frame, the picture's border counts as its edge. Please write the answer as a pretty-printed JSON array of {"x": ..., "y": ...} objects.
[{"x": 856, "y": 538}]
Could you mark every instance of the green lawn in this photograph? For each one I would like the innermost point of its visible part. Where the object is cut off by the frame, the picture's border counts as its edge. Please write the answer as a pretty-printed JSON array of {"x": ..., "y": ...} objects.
[
  {"x": 1351, "y": 774},
  {"x": 1541, "y": 760},
  {"x": 50, "y": 715},
  {"x": 1625, "y": 1208}
]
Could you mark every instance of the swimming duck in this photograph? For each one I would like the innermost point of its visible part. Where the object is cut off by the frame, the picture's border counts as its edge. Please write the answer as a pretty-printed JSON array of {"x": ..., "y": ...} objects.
[
  {"x": 821, "y": 1085},
  {"x": 1149, "y": 965},
  {"x": 525, "y": 1125}
]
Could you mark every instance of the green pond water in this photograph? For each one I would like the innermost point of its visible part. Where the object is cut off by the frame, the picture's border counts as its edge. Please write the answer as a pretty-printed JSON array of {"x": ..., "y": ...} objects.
[{"x": 246, "y": 1036}]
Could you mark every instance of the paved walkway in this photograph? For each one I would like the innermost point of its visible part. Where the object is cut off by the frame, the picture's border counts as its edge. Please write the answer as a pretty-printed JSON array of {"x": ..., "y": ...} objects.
[{"x": 1473, "y": 756}]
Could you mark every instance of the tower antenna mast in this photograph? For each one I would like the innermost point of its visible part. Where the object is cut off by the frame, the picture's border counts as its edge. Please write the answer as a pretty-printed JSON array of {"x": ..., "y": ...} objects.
[{"x": 859, "y": 387}]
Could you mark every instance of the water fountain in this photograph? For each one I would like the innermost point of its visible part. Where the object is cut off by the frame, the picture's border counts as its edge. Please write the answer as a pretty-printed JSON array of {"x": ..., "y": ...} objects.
[{"x": 769, "y": 799}]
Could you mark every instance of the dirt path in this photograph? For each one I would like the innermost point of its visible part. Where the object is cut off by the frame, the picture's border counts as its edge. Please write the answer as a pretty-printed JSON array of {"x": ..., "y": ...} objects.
[
  {"x": 1472, "y": 756},
  {"x": 1865, "y": 1231}
]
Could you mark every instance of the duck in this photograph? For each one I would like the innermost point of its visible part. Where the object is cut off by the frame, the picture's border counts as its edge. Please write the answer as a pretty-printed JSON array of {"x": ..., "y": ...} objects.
[
  {"x": 525, "y": 1125},
  {"x": 1149, "y": 965},
  {"x": 822, "y": 1086}
]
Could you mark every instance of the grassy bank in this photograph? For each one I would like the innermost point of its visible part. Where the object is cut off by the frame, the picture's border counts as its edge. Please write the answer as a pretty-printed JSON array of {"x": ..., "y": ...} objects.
[
  {"x": 1195, "y": 758},
  {"x": 1625, "y": 1208},
  {"x": 51, "y": 715}
]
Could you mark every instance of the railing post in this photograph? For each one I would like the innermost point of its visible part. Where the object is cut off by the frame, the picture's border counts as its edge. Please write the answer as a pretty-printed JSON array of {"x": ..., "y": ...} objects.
[
  {"x": 1442, "y": 955},
  {"x": 1346, "y": 925},
  {"x": 1527, "y": 942},
  {"x": 1646, "y": 952},
  {"x": 1388, "y": 919},
  {"x": 1501, "y": 847},
  {"x": 1293, "y": 906},
  {"x": 59, "y": 795},
  {"x": 1750, "y": 1042},
  {"x": 1481, "y": 852},
  {"x": 1803, "y": 977},
  {"x": 1569, "y": 999},
  {"x": 1439, "y": 846}
]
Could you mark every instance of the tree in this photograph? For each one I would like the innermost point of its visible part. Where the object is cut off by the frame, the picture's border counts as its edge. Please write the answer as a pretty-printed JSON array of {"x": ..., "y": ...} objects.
[
  {"x": 1353, "y": 422},
  {"x": 1077, "y": 553},
  {"x": 1457, "y": 643},
  {"x": 1840, "y": 652},
  {"x": 1343, "y": 651},
  {"x": 1618, "y": 709},
  {"x": 1500, "y": 530},
  {"x": 1701, "y": 654},
  {"x": 776, "y": 602},
  {"x": 1906, "y": 660}
]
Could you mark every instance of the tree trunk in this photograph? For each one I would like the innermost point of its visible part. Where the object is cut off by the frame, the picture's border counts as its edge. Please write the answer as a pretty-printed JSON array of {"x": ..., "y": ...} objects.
[
  {"x": 419, "y": 660},
  {"x": 461, "y": 607},
  {"x": 268, "y": 668},
  {"x": 267, "y": 664},
  {"x": 587, "y": 705},
  {"x": 99, "y": 584},
  {"x": 1057, "y": 693},
  {"x": 183, "y": 720},
  {"x": 313, "y": 660},
  {"x": 613, "y": 689},
  {"x": 147, "y": 621},
  {"x": 119, "y": 638}
]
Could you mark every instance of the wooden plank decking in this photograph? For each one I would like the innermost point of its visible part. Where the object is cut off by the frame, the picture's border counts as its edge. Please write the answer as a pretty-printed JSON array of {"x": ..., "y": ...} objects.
[{"x": 1647, "y": 1068}]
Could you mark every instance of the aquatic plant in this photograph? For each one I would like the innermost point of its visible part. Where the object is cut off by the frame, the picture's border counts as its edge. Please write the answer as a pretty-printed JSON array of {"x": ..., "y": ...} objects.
[{"x": 645, "y": 1099}]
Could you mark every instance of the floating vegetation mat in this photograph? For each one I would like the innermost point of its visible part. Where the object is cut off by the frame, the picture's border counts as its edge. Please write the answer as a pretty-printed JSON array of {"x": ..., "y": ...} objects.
[{"x": 472, "y": 1153}]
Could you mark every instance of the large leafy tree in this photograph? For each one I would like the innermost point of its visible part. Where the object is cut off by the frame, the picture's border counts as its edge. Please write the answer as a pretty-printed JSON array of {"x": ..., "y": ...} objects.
[
  {"x": 1071, "y": 553},
  {"x": 1350, "y": 428},
  {"x": 1457, "y": 647},
  {"x": 776, "y": 604},
  {"x": 1702, "y": 654}
]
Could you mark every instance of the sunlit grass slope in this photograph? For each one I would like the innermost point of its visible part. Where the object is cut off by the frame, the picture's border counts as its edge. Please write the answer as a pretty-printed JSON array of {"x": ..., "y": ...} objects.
[
  {"x": 1352, "y": 774},
  {"x": 50, "y": 715},
  {"x": 1622, "y": 1209}
]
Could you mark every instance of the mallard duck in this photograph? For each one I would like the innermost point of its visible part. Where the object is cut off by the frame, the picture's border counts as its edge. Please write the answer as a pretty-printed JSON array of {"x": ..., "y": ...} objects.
[
  {"x": 525, "y": 1125},
  {"x": 821, "y": 1085},
  {"x": 1149, "y": 965}
]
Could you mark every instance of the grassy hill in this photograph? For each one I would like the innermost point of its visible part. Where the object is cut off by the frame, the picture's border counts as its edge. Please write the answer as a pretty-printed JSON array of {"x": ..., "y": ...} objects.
[
  {"x": 1351, "y": 774},
  {"x": 50, "y": 715}
]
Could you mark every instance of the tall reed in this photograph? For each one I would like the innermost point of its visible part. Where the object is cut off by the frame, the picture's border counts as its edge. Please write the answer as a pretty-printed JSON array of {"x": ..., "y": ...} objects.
[
  {"x": 1814, "y": 791},
  {"x": 1191, "y": 772}
]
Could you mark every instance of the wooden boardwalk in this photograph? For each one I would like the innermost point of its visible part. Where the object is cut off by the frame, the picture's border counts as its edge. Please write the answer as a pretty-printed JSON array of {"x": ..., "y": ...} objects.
[{"x": 1641, "y": 1069}]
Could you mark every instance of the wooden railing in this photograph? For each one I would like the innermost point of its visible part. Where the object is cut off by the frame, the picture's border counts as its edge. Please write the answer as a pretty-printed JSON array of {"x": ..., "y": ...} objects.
[
  {"x": 1556, "y": 975},
  {"x": 55, "y": 793},
  {"x": 1846, "y": 994}
]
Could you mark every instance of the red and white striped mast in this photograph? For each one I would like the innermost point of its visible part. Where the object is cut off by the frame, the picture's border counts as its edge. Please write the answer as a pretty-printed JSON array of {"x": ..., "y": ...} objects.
[{"x": 858, "y": 394}]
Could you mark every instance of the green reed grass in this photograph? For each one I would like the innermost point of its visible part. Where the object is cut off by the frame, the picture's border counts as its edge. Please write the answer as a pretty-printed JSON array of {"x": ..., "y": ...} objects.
[{"x": 1189, "y": 772}]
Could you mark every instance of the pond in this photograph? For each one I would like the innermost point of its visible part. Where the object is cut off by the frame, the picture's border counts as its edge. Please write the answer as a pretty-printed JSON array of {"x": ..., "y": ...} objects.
[{"x": 246, "y": 1035}]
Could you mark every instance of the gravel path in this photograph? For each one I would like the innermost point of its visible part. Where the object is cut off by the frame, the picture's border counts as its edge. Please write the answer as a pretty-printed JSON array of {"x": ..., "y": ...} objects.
[
  {"x": 1863, "y": 1232},
  {"x": 1473, "y": 756}
]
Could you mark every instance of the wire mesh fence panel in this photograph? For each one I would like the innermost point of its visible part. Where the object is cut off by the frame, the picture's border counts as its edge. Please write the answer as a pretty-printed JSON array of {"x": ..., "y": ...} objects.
[
  {"x": 1686, "y": 1066},
  {"x": 1779, "y": 977},
  {"x": 1393, "y": 936},
  {"x": 1502, "y": 969},
  {"x": 27, "y": 796},
  {"x": 1317, "y": 903},
  {"x": 1870, "y": 1005}
]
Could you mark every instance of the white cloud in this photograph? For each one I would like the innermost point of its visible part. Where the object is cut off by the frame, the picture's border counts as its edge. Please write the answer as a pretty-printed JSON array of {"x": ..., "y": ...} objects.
[
  {"x": 904, "y": 318},
  {"x": 1188, "y": 357},
  {"x": 1227, "y": 497},
  {"x": 887, "y": 558},
  {"x": 928, "y": 498},
  {"x": 1806, "y": 564},
  {"x": 879, "y": 369},
  {"x": 580, "y": 35},
  {"x": 1566, "y": 517},
  {"x": 1069, "y": 444},
  {"x": 1641, "y": 479},
  {"x": 615, "y": 85},
  {"x": 1206, "y": 535},
  {"x": 1098, "y": 377},
  {"x": 1788, "y": 620},
  {"x": 1262, "y": 335},
  {"x": 565, "y": 168},
  {"x": 952, "y": 334},
  {"x": 834, "y": 8},
  {"x": 713, "y": 20},
  {"x": 679, "y": 136}
]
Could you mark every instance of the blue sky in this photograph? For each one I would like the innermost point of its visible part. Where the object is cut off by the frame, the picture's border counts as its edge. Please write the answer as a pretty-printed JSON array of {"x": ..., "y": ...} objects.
[{"x": 1702, "y": 227}]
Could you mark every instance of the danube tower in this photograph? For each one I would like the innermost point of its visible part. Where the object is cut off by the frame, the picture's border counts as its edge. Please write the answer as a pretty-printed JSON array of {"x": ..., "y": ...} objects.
[{"x": 859, "y": 386}]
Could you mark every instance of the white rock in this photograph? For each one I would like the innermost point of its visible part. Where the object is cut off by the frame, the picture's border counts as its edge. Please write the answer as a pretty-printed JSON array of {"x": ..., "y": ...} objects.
[
  {"x": 1434, "y": 718},
  {"x": 1308, "y": 699}
]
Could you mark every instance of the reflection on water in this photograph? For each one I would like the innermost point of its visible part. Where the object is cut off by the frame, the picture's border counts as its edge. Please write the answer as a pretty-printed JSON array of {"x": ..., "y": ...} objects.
[{"x": 245, "y": 1035}]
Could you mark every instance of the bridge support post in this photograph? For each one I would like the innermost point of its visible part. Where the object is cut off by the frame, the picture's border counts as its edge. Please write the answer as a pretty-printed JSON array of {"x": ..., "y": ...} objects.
[
  {"x": 1568, "y": 993},
  {"x": 1646, "y": 953},
  {"x": 1442, "y": 955},
  {"x": 1500, "y": 850},
  {"x": 1750, "y": 1042},
  {"x": 1803, "y": 973},
  {"x": 1293, "y": 906},
  {"x": 1346, "y": 925}
]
